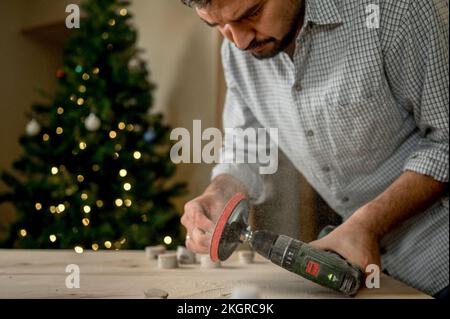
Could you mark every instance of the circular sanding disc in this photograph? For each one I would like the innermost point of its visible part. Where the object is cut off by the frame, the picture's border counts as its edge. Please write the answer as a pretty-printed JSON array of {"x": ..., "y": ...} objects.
[{"x": 226, "y": 213}]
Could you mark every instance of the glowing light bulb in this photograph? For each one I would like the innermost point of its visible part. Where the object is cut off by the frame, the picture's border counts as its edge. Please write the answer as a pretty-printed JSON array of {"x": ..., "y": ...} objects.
[
  {"x": 23, "y": 232},
  {"x": 84, "y": 196},
  {"x": 112, "y": 134},
  {"x": 119, "y": 202},
  {"x": 52, "y": 238},
  {"x": 80, "y": 178},
  {"x": 127, "y": 186},
  {"x": 38, "y": 206},
  {"x": 121, "y": 126},
  {"x": 123, "y": 172},
  {"x": 123, "y": 12},
  {"x": 137, "y": 155},
  {"x": 82, "y": 145},
  {"x": 78, "y": 249},
  {"x": 60, "y": 110},
  {"x": 167, "y": 240},
  {"x": 59, "y": 130},
  {"x": 55, "y": 170},
  {"x": 45, "y": 137},
  {"x": 85, "y": 221},
  {"x": 128, "y": 202},
  {"x": 61, "y": 208},
  {"x": 94, "y": 247},
  {"x": 87, "y": 209},
  {"x": 108, "y": 244}
]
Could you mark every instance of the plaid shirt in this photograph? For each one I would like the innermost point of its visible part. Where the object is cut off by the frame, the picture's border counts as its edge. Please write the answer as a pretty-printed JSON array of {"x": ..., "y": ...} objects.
[{"x": 355, "y": 108}]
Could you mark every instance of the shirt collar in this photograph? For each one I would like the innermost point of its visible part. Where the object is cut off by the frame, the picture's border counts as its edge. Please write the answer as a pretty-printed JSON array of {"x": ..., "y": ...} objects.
[{"x": 322, "y": 12}]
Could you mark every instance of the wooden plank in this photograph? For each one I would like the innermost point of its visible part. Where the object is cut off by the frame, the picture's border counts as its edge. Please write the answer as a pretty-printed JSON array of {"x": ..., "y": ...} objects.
[{"x": 127, "y": 274}]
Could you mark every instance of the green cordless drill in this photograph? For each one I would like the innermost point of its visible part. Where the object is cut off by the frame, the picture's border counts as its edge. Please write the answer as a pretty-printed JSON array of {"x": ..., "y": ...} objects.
[{"x": 325, "y": 268}]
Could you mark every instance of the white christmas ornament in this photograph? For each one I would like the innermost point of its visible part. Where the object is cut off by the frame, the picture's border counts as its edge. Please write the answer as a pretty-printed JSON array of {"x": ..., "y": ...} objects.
[
  {"x": 92, "y": 122},
  {"x": 33, "y": 128}
]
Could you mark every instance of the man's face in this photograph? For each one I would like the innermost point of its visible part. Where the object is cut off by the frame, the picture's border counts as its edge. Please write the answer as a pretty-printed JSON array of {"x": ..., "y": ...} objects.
[{"x": 262, "y": 27}]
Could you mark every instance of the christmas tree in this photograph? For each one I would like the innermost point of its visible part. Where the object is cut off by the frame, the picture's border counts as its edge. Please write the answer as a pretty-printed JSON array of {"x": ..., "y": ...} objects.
[{"x": 95, "y": 172}]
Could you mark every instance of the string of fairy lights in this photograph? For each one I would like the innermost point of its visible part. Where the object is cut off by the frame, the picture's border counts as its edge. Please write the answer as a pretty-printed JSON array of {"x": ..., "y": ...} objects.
[{"x": 92, "y": 123}]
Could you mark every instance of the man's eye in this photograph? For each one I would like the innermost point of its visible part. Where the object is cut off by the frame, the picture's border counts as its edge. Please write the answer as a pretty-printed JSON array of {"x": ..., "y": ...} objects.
[{"x": 255, "y": 13}]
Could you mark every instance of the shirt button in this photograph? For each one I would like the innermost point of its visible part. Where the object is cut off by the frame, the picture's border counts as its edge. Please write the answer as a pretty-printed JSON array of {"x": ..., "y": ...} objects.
[
  {"x": 310, "y": 133},
  {"x": 326, "y": 169},
  {"x": 345, "y": 200},
  {"x": 297, "y": 87}
]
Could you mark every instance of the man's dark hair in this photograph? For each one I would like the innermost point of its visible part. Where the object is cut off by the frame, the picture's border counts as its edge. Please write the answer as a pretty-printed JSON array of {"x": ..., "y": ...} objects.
[{"x": 196, "y": 3}]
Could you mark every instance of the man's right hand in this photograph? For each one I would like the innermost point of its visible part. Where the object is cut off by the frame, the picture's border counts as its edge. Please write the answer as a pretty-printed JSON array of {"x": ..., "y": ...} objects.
[{"x": 202, "y": 213}]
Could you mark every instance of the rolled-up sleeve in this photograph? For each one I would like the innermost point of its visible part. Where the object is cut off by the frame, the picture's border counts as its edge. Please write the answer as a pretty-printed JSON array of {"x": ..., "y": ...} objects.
[
  {"x": 237, "y": 115},
  {"x": 419, "y": 75}
]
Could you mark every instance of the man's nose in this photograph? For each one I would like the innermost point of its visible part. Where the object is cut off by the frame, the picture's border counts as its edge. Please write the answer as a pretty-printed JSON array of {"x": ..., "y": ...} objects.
[{"x": 241, "y": 36}]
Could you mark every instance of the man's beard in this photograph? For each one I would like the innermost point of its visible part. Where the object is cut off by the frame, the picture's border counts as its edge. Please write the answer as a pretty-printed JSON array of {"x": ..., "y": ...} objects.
[{"x": 281, "y": 45}]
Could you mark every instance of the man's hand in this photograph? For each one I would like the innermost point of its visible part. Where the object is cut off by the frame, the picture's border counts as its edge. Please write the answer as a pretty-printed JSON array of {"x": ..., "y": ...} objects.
[
  {"x": 202, "y": 213},
  {"x": 358, "y": 238},
  {"x": 354, "y": 241}
]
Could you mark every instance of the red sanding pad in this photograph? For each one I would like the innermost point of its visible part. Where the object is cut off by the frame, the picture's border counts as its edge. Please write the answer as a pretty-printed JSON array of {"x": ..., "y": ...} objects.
[{"x": 226, "y": 213}]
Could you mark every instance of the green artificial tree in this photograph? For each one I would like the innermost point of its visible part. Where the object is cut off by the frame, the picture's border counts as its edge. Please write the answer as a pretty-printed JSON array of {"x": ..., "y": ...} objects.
[{"x": 96, "y": 169}]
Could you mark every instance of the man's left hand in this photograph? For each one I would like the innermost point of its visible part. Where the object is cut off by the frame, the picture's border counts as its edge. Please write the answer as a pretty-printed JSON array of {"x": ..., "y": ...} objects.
[{"x": 354, "y": 241}]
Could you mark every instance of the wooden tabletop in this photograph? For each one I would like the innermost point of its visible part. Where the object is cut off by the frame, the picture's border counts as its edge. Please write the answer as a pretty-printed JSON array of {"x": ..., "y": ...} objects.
[{"x": 127, "y": 274}]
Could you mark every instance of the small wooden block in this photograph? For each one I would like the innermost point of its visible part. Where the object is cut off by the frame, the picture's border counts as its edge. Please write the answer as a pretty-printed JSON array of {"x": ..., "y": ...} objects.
[
  {"x": 185, "y": 256},
  {"x": 246, "y": 257},
  {"x": 167, "y": 261},
  {"x": 152, "y": 252},
  {"x": 207, "y": 263},
  {"x": 156, "y": 293}
]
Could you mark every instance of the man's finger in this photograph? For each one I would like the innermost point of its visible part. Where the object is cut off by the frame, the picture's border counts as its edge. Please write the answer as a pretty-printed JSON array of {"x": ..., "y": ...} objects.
[
  {"x": 201, "y": 221},
  {"x": 198, "y": 241},
  {"x": 319, "y": 244},
  {"x": 195, "y": 216}
]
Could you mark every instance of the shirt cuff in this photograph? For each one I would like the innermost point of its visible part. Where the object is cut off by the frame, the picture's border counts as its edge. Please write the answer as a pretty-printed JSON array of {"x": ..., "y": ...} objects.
[
  {"x": 244, "y": 173},
  {"x": 431, "y": 162}
]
